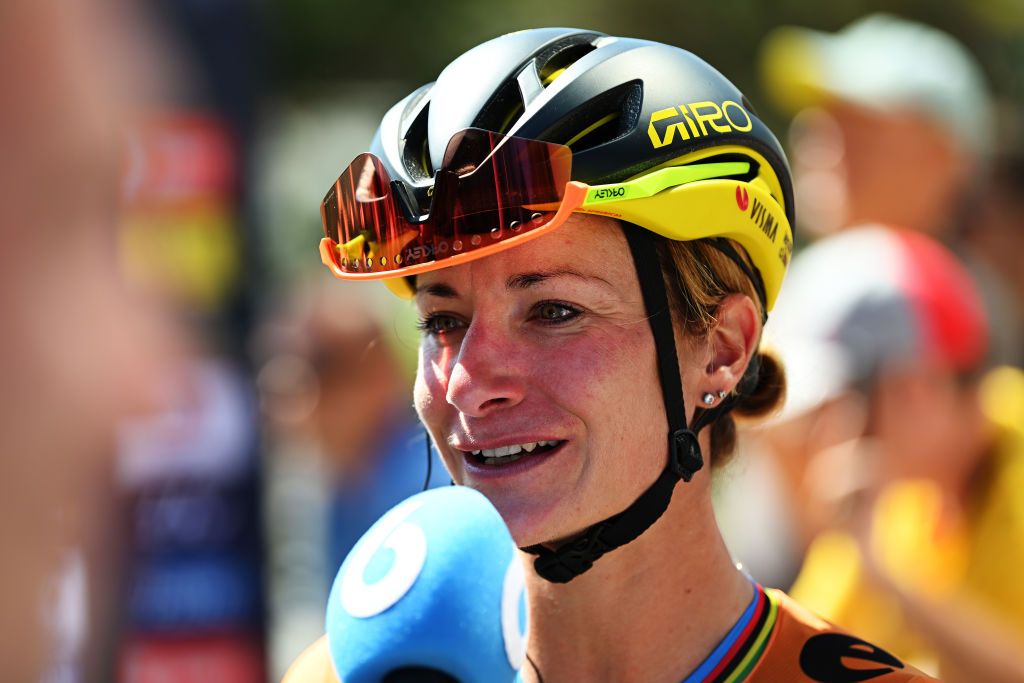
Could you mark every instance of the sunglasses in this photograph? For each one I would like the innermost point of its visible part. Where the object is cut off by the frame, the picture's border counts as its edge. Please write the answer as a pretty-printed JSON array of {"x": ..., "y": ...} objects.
[{"x": 491, "y": 193}]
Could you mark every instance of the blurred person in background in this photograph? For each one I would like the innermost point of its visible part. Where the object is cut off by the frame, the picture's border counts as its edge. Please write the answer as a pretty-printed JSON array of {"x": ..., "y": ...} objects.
[
  {"x": 190, "y": 474},
  {"x": 337, "y": 379},
  {"x": 902, "y": 458},
  {"x": 337, "y": 366},
  {"x": 893, "y": 121},
  {"x": 78, "y": 350},
  {"x": 992, "y": 238},
  {"x": 895, "y": 125}
]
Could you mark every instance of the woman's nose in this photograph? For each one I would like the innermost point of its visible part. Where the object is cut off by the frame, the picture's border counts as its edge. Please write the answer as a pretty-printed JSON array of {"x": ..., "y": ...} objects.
[{"x": 487, "y": 372}]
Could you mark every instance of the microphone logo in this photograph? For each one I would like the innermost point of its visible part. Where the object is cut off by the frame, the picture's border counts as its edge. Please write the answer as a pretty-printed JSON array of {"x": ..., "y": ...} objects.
[{"x": 362, "y": 598}]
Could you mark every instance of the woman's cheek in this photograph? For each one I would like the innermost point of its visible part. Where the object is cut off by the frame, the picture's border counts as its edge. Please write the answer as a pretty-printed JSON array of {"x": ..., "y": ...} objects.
[
  {"x": 432, "y": 407},
  {"x": 429, "y": 390}
]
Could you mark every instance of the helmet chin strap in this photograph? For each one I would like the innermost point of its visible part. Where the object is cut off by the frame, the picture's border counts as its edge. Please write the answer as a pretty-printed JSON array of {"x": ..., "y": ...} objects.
[{"x": 565, "y": 563}]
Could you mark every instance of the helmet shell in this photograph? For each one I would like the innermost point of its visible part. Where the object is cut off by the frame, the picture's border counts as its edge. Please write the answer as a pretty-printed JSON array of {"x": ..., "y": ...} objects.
[{"x": 623, "y": 105}]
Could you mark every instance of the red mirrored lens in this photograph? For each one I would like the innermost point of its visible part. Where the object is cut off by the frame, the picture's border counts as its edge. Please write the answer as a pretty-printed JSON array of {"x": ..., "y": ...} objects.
[
  {"x": 359, "y": 212},
  {"x": 489, "y": 189}
]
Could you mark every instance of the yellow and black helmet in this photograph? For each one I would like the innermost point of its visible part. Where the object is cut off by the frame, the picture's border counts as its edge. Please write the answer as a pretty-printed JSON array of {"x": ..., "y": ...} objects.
[{"x": 632, "y": 113}]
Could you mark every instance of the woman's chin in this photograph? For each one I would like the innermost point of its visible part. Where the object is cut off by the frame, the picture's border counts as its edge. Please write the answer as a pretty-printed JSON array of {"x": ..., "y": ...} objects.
[{"x": 530, "y": 522}]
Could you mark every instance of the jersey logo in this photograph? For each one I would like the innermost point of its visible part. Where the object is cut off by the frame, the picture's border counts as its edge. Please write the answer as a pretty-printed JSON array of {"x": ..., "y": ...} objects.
[{"x": 825, "y": 657}]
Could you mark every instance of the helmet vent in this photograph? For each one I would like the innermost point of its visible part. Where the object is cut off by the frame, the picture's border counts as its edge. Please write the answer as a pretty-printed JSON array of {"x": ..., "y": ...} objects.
[
  {"x": 509, "y": 101},
  {"x": 550, "y": 66},
  {"x": 415, "y": 147},
  {"x": 605, "y": 118},
  {"x": 502, "y": 110},
  {"x": 749, "y": 176}
]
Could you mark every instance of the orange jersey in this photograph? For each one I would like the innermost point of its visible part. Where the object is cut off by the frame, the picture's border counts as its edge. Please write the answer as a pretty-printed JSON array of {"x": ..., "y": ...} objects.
[
  {"x": 775, "y": 641},
  {"x": 804, "y": 647},
  {"x": 313, "y": 666}
]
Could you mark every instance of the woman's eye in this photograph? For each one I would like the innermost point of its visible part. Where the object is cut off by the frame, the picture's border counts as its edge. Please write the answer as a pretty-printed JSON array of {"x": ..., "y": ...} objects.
[
  {"x": 438, "y": 324},
  {"x": 555, "y": 312}
]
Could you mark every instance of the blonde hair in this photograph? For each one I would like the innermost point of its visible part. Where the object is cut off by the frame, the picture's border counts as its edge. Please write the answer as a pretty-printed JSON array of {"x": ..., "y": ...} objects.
[{"x": 698, "y": 276}]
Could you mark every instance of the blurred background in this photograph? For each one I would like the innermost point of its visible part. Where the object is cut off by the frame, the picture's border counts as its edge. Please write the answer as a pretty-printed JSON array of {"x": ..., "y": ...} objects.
[{"x": 197, "y": 423}]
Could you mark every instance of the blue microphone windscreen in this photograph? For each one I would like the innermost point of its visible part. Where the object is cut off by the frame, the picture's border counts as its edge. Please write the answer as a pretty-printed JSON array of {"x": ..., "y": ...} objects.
[{"x": 434, "y": 585}]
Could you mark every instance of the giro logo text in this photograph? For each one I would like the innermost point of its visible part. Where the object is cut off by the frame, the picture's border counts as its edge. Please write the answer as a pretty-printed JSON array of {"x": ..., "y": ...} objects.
[{"x": 695, "y": 120}]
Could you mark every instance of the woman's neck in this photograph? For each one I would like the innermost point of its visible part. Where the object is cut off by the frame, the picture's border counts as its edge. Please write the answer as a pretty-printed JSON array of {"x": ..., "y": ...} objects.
[{"x": 649, "y": 611}]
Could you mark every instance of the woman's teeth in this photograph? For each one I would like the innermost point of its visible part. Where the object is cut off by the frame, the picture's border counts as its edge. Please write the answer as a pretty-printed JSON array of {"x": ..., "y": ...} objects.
[{"x": 507, "y": 454}]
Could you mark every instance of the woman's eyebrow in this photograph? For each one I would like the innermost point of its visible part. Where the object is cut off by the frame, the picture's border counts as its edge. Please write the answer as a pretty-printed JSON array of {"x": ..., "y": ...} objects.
[
  {"x": 518, "y": 281},
  {"x": 440, "y": 290},
  {"x": 527, "y": 280}
]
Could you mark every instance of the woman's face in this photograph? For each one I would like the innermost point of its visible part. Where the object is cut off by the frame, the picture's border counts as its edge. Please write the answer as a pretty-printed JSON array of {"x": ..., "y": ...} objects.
[{"x": 546, "y": 348}]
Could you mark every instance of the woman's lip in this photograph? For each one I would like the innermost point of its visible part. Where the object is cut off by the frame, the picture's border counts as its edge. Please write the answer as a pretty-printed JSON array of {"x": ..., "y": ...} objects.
[{"x": 478, "y": 470}]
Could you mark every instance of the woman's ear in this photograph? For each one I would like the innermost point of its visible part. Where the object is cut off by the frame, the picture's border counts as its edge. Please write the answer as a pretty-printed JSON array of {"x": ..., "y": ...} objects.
[{"x": 732, "y": 341}]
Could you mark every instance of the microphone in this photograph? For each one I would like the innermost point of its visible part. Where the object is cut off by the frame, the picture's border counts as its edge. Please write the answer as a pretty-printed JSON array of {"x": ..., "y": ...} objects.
[{"x": 432, "y": 592}]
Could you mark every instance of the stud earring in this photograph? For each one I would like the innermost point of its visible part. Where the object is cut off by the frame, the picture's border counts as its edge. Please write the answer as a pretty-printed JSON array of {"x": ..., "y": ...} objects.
[
  {"x": 709, "y": 399},
  {"x": 722, "y": 394}
]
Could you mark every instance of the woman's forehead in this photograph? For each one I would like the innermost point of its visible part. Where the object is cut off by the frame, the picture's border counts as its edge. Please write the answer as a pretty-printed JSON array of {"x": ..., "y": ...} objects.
[{"x": 592, "y": 246}]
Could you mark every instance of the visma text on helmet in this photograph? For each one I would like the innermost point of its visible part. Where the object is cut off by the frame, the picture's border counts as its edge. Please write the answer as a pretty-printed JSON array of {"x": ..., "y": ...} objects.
[
  {"x": 698, "y": 119},
  {"x": 764, "y": 219}
]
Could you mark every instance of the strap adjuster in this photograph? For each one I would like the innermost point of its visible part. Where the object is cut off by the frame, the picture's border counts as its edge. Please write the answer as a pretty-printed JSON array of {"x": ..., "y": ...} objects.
[
  {"x": 685, "y": 457},
  {"x": 572, "y": 559}
]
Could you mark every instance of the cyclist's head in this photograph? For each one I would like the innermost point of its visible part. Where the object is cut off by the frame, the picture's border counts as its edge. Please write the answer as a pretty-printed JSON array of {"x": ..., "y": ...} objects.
[{"x": 522, "y": 134}]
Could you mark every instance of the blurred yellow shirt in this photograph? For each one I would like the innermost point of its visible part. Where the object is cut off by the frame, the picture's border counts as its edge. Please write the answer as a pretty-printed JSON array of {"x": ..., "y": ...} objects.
[{"x": 981, "y": 559}]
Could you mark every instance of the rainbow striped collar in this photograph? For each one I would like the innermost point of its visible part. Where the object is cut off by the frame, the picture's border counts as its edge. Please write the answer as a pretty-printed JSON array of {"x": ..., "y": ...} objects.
[
  {"x": 735, "y": 657},
  {"x": 743, "y": 646}
]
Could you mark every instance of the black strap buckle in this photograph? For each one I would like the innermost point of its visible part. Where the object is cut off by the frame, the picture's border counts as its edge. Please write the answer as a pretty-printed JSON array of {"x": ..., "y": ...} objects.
[
  {"x": 572, "y": 559},
  {"x": 685, "y": 457}
]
